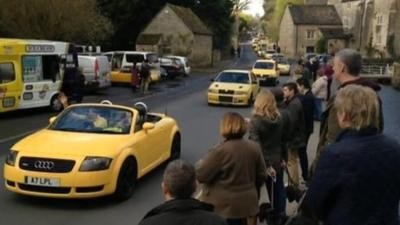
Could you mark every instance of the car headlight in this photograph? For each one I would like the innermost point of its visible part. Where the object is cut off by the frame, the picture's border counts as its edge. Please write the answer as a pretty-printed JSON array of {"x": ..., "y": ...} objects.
[
  {"x": 241, "y": 92},
  {"x": 95, "y": 164},
  {"x": 215, "y": 91},
  {"x": 11, "y": 157}
]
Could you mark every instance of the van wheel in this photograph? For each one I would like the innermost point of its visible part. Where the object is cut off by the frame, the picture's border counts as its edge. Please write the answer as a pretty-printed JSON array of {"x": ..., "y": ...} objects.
[
  {"x": 176, "y": 147},
  {"x": 55, "y": 104},
  {"x": 126, "y": 180}
]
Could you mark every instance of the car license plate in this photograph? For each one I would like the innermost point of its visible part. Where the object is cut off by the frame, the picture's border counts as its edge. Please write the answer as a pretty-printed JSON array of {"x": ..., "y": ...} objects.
[
  {"x": 262, "y": 78},
  {"x": 40, "y": 181}
]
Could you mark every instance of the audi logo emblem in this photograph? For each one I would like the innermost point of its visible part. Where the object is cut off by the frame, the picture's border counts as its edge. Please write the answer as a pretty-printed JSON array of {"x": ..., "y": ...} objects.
[{"x": 44, "y": 165}]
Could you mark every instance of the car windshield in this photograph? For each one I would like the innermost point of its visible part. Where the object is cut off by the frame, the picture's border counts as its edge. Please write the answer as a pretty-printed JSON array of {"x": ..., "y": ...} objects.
[
  {"x": 264, "y": 65},
  {"x": 282, "y": 61},
  {"x": 232, "y": 77},
  {"x": 94, "y": 119}
]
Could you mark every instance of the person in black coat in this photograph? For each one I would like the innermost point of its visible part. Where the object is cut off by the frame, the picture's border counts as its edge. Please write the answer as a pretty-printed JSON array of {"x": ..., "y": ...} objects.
[
  {"x": 357, "y": 179},
  {"x": 178, "y": 186},
  {"x": 308, "y": 102},
  {"x": 297, "y": 139}
]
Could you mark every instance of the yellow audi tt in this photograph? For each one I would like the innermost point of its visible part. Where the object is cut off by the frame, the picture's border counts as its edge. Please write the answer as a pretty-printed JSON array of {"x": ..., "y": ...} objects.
[
  {"x": 266, "y": 71},
  {"x": 91, "y": 150},
  {"x": 233, "y": 87}
]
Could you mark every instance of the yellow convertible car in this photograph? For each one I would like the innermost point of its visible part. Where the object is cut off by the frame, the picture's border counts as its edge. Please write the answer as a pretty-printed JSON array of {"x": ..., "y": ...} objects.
[
  {"x": 233, "y": 87},
  {"x": 266, "y": 71},
  {"x": 91, "y": 150}
]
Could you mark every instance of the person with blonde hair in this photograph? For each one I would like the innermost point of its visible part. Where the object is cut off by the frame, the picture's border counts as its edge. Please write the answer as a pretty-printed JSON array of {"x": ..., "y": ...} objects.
[
  {"x": 230, "y": 171},
  {"x": 357, "y": 179},
  {"x": 267, "y": 128}
]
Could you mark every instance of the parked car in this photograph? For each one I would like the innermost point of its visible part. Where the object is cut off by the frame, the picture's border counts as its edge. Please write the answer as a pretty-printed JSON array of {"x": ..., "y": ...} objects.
[
  {"x": 309, "y": 56},
  {"x": 266, "y": 71},
  {"x": 96, "y": 70},
  {"x": 122, "y": 62},
  {"x": 173, "y": 67},
  {"x": 233, "y": 87},
  {"x": 92, "y": 150},
  {"x": 184, "y": 61}
]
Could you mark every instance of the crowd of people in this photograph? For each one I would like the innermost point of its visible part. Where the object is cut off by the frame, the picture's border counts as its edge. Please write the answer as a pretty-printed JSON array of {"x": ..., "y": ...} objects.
[{"x": 354, "y": 178}]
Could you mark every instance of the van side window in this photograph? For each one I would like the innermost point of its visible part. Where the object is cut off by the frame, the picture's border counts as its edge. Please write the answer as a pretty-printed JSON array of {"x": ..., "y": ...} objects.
[
  {"x": 38, "y": 68},
  {"x": 32, "y": 68},
  {"x": 7, "y": 73},
  {"x": 130, "y": 58},
  {"x": 116, "y": 62}
]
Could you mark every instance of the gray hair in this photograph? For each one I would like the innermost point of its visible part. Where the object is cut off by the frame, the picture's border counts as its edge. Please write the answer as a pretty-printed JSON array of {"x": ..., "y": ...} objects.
[
  {"x": 351, "y": 59},
  {"x": 360, "y": 104},
  {"x": 180, "y": 179}
]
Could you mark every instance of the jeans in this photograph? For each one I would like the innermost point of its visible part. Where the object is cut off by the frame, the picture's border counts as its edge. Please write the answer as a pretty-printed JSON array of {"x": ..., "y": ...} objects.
[
  {"x": 279, "y": 194},
  {"x": 318, "y": 109}
]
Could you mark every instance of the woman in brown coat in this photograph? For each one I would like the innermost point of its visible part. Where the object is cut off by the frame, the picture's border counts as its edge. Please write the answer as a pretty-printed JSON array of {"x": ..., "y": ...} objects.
[{"x": 231, "y": 171}]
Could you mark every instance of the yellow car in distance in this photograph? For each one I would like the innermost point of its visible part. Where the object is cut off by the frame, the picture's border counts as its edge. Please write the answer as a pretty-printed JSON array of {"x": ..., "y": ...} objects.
[
  {"x": 233, "y": 87},
  {"x": 283, "y": 63},
  {"x": 266, "y": 71},
  {"x": 92, "y": 150}
]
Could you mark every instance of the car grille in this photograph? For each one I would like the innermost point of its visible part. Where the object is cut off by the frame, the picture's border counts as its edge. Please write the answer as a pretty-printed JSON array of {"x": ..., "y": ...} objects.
[
  {"x": 46, "y": 165},
  {"x": 230, "y": 92},
  {"x": 43, "y": 189},
  {"x": 225, "y": 99}
]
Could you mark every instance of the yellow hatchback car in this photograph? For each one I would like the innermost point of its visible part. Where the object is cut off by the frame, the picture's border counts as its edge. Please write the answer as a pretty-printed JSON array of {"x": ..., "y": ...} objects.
[
  {"x": 233, "y": 87},
  {"x": 266, "y": 71},
  {"x": 92, "y": 150}
]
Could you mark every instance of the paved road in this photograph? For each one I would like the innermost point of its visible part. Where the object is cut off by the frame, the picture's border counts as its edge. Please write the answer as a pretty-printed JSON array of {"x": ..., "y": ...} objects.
[{"x": 184, "y": 100}]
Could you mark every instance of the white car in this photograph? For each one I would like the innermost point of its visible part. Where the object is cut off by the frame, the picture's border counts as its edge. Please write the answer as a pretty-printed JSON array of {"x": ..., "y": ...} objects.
[
  {"x": 184, "y": 61},
  {"x": 96, "y": 70}
]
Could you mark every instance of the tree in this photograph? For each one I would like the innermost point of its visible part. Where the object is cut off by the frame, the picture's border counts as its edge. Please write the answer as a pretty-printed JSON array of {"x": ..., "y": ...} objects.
[
  {"x": 321, "y": 45},
  {"x": 73, "y": 21},
  {"x": 274, "y": 10},
  {"x": 238, "y": 7}
]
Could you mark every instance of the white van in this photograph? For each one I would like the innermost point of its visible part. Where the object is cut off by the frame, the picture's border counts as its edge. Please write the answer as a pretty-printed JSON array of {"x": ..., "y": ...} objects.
[
  {"x": 96, "y": 70},
  {"x": 183, "y": 60},
  {"x": 122, "y": 62}
]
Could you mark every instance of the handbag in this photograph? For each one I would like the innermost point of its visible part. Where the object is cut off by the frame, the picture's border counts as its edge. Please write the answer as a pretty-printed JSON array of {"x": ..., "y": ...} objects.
[{"x": 293, "y": 192}]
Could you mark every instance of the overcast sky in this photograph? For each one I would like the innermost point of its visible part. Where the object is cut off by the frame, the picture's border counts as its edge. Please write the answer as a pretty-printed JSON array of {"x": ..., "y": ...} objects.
[{"x": 256, "y": 7}]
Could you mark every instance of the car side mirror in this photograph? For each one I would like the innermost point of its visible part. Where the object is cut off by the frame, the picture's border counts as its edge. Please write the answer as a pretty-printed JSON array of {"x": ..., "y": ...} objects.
[
  {"x": 52, "y": 119},
  {"x": 148, "y": 126}
]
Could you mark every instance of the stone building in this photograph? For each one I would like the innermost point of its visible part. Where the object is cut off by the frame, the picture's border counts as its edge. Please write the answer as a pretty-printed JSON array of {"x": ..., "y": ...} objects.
[
  {"x": 374, "y": 25},
  {"x": 300, "y": 27},
  {"x": 177, "y": 30}
]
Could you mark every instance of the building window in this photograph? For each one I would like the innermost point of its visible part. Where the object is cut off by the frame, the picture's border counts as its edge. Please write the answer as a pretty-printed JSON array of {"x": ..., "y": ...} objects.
[
  {"x": 379, "y": 19},
  {"x": 378, "y": 39},
  {"x": 311, "y": 34}
]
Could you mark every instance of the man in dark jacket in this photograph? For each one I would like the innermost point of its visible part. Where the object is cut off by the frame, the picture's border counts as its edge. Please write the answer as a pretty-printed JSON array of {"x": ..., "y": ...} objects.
[
  {"x": 178, "y": 186},
  {"x": 308, "y": 102},
  {"x": 347, "y": 67},
  {"x": 297, "y": 140}
]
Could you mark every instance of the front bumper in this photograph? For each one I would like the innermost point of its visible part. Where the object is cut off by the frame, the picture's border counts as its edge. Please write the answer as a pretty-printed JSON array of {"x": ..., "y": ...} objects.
[
  {"x": 225, "y": 99},
  {"x": 73, "y": 184}
]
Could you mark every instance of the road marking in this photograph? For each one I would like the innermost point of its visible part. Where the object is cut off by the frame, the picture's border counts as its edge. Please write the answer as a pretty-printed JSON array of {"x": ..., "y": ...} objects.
[{"x": 4, "y": 140}]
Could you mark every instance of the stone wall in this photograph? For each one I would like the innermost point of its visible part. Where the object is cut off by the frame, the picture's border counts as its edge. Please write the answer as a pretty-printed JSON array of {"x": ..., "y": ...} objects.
[
  {"x": 201, "y": 54},
  {"x": 178, "y": 39},
  {"x": 287, "y": 35}
]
